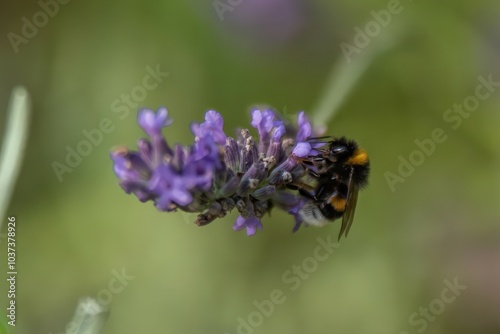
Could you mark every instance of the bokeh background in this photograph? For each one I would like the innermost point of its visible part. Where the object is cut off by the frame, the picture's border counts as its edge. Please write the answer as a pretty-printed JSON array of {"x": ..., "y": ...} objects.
[{"x": 441, "y": 223}]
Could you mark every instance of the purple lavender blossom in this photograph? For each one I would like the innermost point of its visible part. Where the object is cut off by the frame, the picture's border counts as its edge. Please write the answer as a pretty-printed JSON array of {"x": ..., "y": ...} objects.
[
  {"x": 152, "y": 123},
  {"x": 304, "y": 127},
  {"x": 217, "y": 173},
  {"x": 251, "y": 224},
  {"x": 212, "y": 126}
]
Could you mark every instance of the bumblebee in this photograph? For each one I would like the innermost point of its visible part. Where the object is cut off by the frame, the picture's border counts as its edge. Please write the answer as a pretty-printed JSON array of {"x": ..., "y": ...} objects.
[{"x": 340, "y": 170}]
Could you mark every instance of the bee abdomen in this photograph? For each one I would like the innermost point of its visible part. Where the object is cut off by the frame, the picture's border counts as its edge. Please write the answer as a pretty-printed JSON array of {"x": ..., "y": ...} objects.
[{"x": 315, "y": 215}]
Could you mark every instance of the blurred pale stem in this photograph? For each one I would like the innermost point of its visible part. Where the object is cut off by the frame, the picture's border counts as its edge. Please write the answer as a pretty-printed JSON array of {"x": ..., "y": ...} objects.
[
  {"x": 11, "y": 155},
  {"x": 343, "y": 77},
  {"x": 90, "y": 317}
]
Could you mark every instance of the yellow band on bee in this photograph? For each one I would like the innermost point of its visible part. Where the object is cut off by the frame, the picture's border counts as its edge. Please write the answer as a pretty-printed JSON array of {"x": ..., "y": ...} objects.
[
  {"x": 360, "y": 157},
  {"x": 338, "y": 203}
]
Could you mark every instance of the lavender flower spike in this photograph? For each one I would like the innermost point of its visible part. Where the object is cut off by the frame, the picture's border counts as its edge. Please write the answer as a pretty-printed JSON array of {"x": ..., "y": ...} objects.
[{"x": 217, "y": 174}]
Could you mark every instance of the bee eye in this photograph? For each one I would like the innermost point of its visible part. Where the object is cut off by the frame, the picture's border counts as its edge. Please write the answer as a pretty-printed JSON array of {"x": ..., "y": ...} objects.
[{"x": 338, "y": 149}]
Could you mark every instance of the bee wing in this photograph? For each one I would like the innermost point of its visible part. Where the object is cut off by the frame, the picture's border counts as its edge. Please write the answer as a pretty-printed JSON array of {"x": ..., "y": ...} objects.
[{"x": 352, "y": 200}]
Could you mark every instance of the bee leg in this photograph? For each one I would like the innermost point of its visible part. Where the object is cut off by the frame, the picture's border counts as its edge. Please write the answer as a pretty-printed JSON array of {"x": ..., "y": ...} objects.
[
  {"x": 307, "y": 194},
  {"x": 305, "y": 164},
  {"x": 316, "y": 158},
  {"x": 302, "y": 188},
  {"x": 311, "y": 172}
]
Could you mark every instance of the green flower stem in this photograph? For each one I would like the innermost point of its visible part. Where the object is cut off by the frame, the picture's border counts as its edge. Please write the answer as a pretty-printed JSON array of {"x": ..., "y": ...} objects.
[
  {"x": 343, "y": 77},
  {"x": 11, "y": 155}
]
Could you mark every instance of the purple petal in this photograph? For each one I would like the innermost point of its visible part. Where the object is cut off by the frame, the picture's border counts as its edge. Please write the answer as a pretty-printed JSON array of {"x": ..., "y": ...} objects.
[
  {"x": 305, "y": 128},
  {"x": 251, "y": 224},
  {"x": 286, "y": 200},
  {"x": 181, "y": 196},
  {"x": 295, "y": 212},
  {"x": 213, "y": 127},
  {"x": 256, "y": 118},
  {"x": 152, "y": 123},
  {"x": 302, "y": 149},
  {"x": 214, "y": 118},
  {"x": 298, "y": 223},
  {"x": 129, "y": 165},
  {"x": 251, "y": 230},
  {"x": 239, "y": 223},
  {"x": 264, "y": 122},
  {"x": 203, "y": 161},
  {"x": 171, "y": 188},
  {"x": 279, "y": 131}
]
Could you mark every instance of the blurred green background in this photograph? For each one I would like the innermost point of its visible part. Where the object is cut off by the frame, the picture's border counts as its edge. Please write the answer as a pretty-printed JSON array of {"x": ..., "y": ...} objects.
[{"x": 441, "y": 223}]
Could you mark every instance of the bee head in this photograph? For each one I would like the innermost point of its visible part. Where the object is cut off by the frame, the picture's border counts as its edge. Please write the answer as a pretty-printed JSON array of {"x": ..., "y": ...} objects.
[
  {"x": 347, "y": 152},
  {"x": 341, "y": 149}
]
